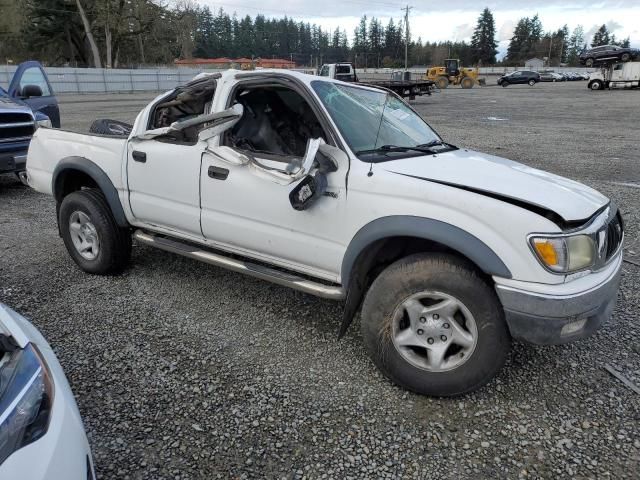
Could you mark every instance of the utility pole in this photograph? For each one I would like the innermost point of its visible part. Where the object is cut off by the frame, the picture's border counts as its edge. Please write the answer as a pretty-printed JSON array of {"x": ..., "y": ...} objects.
[
  {"x": 406, "y": 36},
  {"x": 550, "y": 45}
]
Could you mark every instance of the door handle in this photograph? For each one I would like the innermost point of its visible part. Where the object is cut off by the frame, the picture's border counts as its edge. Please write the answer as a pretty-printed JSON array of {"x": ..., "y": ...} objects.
[
  {"x": 139, "y": 156},
  {"x": 218, "y": 173}
]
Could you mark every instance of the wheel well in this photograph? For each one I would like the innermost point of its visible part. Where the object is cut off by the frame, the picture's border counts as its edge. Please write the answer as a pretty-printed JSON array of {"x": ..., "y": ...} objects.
[
  {"x": 70, "y": 181},
  {"x": 378, "y": 255},
  {"x": 382, "y": 253}
]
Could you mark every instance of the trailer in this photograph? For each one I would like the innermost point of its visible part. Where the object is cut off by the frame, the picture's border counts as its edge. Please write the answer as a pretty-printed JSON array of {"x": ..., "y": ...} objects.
[
  {"x": 400, "y": 82},
  {"x": 616, "y": 75}
]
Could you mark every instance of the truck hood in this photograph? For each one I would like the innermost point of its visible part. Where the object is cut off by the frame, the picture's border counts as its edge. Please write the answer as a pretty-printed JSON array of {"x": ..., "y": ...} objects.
[{"x": 505, "y": 180}]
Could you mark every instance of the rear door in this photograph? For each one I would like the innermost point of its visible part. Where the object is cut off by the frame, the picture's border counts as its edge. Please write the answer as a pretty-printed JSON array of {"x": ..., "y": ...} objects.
[{"x": 32, "y": 74}]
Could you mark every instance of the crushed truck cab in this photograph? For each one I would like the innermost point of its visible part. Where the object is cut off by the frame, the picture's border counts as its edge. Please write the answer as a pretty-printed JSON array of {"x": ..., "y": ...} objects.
[{"x": 343, "y": 191}]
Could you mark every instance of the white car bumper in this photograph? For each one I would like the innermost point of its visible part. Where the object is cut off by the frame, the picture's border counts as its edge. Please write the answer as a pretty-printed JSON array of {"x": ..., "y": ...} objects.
[{"x": 63, "y": 452}]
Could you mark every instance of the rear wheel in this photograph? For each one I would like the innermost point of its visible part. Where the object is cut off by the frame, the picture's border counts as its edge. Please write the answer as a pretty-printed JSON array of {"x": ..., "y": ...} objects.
[
  {"x": 467, "y": 82},
  {"x": 433, "y": 326},
  {"x": 92, "y": 237},
  {"x": 442, "y": 82},
  {"x": 589, "y": 62},
  {"x": 531, "y": 82},
  {"x": 625, "y": 57}
]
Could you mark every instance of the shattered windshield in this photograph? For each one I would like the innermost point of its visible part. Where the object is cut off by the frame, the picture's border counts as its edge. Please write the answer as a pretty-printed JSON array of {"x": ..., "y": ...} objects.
[{"x": 374, "y": 122}]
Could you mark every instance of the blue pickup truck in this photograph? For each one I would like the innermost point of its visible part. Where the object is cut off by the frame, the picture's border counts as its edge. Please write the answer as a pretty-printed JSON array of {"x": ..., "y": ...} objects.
[{"x": 28, "y": 103}]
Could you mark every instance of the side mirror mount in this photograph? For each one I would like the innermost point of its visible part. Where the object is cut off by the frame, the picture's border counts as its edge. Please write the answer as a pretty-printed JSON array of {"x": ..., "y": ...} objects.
[
  {"x": 299, "y": 168},
  {"x": 330, "y": 158},
  {"x": 29, "y": 91}
]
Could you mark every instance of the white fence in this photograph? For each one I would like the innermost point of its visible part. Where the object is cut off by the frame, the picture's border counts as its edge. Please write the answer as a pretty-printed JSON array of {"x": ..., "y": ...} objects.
[{"x": 103, "y": 80}]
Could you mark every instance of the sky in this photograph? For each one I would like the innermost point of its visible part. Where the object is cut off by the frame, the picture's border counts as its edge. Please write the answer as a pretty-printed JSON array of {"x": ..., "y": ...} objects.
[{"x": 454, "y": 20}]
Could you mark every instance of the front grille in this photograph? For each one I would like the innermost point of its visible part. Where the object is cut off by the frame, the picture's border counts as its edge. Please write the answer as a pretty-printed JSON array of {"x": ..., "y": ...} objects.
[
  {"x": 15, "y": 126},
  {"x": 615, "y": 230}
]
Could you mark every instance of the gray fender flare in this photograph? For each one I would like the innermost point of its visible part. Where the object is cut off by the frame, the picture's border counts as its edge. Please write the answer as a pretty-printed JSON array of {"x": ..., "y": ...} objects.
[
  {"x": 409, "y": 226},
  {"x": 435, "y": 230},
  {"x": 98, "y": 175}
]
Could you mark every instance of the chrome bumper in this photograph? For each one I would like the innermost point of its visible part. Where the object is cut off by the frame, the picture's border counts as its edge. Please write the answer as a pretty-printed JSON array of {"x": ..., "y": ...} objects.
[{"x": 553, "y": 319}]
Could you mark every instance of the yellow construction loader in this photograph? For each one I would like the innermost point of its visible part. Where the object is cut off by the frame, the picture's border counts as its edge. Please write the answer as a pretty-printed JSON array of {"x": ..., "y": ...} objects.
[{"x": 452, "y": 73}]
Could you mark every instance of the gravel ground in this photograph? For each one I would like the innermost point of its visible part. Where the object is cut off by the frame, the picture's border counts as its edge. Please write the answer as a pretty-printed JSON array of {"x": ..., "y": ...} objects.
[{"x": 183, "y": 370}]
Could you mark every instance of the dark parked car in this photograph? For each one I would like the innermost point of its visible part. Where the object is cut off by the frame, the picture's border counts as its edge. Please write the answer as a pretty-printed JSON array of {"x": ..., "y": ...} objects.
[
  {"x": 519, "y": 77},
  {"x": 608, "y": 53},
  {"x": 28, "y": 103}
]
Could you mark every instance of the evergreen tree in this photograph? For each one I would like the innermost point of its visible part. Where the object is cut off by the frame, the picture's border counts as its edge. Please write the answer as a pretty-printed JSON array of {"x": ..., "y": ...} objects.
[
  {"x": 518, "y": 43},
  {"x": 576, "y": 42},
  {"x": 483, "y": 42},
  {"x": 601, "y": 37}
]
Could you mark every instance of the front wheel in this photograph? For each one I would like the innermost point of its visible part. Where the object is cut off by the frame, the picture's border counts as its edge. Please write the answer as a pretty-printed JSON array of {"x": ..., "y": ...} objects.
[
  {"x": 589, "y": 62},
  {"x": 92, "y": 237},
  {"x": 433, "y": 326},
  {"x": 504, "y": 84},
  {"x": 531, "y": 82},
  {"x": 595, "y": 85}
]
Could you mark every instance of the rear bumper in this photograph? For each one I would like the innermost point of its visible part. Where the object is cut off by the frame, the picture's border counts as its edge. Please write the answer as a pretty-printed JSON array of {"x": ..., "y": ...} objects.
[{"x": 548, "y": 318}]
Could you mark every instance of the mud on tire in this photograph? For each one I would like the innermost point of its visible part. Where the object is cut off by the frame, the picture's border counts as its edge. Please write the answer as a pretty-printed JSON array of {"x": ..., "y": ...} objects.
[
  {"x": 476, "y": 310},
  {"x": 112, "y": 244}
]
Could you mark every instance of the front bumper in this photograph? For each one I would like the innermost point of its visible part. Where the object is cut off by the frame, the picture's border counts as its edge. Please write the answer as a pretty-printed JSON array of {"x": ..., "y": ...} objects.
[
  {"x": 13, "y": 162},
  {"x": 63, "y": 452},
  {"x": 552, "y": 318}
]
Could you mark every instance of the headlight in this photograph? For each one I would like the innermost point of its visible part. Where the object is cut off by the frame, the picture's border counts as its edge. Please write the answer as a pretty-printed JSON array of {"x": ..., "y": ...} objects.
[
  {"x": 26, "y": 395},
  {"x": 565, "y": 254},
  {"x": 44, "y": 123}
]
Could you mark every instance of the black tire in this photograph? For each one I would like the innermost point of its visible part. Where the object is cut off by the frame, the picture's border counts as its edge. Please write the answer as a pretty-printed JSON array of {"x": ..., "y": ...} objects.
[
  {"x": 114, "y": 242},
  {"x": 589, "y": 62},
  {"x": 452, "y": 276},
  {"x": 442, "y": 82},
  {"x": 504, "y": 84},
  {"x": 625, "y": 57},
  {"x": 595, "y": 85},
  {"x": 110, "y": 127},
  {"x": 531, "y": 82},
  {"x": 467, "y": 82}
]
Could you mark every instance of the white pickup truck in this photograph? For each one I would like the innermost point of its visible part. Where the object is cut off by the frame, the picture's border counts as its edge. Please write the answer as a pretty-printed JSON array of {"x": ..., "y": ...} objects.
[{"x": 344, "y": 192}]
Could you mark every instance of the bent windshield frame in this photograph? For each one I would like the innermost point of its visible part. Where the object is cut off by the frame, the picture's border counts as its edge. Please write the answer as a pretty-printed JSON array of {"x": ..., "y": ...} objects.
[{"x": 369, "y": 119}]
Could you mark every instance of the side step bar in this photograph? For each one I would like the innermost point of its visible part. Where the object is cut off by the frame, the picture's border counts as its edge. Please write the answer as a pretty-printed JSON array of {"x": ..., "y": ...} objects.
[{"x": 241, "y": 266}]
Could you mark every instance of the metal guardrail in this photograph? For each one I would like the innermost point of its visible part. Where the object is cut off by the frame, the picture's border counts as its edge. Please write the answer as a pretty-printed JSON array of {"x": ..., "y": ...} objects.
[{"x": 104, "y": 80}]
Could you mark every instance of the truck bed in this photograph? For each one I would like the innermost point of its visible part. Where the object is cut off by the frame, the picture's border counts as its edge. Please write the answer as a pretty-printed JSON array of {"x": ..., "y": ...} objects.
[{"x": 49, "y": 146}]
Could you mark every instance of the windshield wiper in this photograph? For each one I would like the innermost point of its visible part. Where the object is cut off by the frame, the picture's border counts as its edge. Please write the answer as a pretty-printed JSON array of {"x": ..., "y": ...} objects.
[
  {"x": 433, "y": 143},
  {"x": 396, "y": 148}
]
